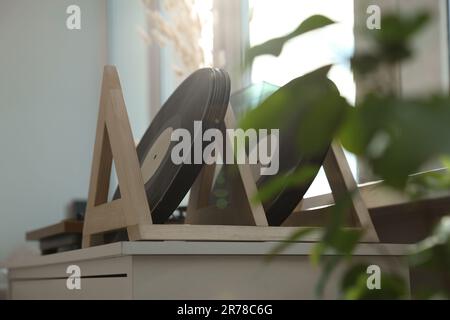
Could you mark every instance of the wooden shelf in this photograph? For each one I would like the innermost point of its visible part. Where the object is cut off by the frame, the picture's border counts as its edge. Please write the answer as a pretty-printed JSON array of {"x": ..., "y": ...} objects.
[{"x": 64, "y": 227}]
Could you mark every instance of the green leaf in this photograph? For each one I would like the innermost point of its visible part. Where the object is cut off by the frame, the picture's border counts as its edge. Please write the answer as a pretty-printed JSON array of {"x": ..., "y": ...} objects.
[
  {"x": 275, "y": 46},
  {"x": 280, "y": 182},
  {"x": 400, "y": 28},
  {"x": 419, "y": 186},
  {"x": 296, "y": 236},
  {"x": 433, "y": 256},
  {"x": 446, "y": 162},
  {"x": 321, "y": 122},
  {"x": 391, "y": 44},
  {"x": 435, "y": 250},
  {"x": 317, "y": 253},
  {"x": 336, "y": 238},
  {"x": 354, "y": 285},
  {"x": 350, "y": 278},
  {"x": 309, "y": 107},
  {"x": 345, "y": 241},
  {"x": 327, "y": 270},
  {"x": 365, "y": 63},
  {"x": 398, "y": 136},
  {"x": 287, "y": 100}
]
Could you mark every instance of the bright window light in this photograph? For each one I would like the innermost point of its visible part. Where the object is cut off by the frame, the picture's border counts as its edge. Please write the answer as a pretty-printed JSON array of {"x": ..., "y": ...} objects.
[{"x": 332, "y": 45}]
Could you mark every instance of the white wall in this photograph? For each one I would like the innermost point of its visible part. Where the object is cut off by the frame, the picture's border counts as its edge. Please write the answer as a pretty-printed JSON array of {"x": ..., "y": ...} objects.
[
  {"x": 129, "y": 53},
  {"x": 49, "y": 90},
  {"x": 428, "y": 71}
]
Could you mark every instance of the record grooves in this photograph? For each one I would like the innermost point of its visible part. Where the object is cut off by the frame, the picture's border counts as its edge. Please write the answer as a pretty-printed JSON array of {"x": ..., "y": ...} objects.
[{"x": 204, "y": 96}]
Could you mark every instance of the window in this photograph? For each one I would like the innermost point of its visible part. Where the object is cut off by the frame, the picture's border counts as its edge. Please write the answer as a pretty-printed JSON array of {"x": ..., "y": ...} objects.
[{"x": 332, "y": 45}]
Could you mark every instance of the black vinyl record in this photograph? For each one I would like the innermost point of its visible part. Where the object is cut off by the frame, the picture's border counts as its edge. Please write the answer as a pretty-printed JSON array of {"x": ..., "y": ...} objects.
[
  {"x": 293, "y": 156},
  {"x": 291, "y": 159},
  {"x": 280, "y": 207},
  {"x": 203, "y": 96}
]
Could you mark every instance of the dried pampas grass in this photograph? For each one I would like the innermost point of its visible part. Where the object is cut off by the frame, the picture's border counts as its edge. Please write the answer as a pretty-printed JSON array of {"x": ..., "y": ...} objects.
[{"x": 186, "y": 25}]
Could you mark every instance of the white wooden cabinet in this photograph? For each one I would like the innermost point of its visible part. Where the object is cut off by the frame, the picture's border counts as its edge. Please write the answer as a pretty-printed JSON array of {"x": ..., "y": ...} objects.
[{"x": 186, "y": 270}]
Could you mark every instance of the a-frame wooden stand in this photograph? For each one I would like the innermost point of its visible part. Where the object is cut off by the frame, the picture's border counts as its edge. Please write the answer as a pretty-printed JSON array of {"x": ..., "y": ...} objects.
[
  {"x": 114, "y": 140},
  {"x": 244, "y": 212},
  {"x": 336, "y": 168}
]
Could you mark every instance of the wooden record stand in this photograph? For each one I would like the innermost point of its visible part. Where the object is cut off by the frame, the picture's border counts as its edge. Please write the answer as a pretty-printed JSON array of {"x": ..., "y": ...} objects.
[{"x": 114, "y": 140}]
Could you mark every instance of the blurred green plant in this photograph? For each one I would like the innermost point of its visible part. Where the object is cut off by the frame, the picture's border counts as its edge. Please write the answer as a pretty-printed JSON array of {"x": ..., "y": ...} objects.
[
  {"x": 433, "y": 256},
  {"x": 396, "y": 136},
  {"x": 275, "y": 46},
  {"x": 290, "y": 180},
  {"x": 354, "y": 285},
  {"x": 390, "y": 44}
]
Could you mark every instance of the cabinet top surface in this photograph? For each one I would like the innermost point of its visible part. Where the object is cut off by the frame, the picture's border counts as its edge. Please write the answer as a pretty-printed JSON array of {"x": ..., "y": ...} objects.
[{"x": 184, "y": 248}]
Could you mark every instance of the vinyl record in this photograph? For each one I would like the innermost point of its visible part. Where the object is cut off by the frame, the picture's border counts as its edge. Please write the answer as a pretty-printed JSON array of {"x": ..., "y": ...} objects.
[
  {"x": 280, "y": 207},
  {"x": 291, "y": 159},
  {"x": 204, "y": 96}
]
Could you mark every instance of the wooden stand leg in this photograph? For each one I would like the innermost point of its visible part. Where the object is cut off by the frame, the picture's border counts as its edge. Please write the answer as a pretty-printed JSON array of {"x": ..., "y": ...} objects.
[
  {"x": 341, "y": 181},
  {"x": 244, "y": 188},
  {"x": 114, "y": 139}
]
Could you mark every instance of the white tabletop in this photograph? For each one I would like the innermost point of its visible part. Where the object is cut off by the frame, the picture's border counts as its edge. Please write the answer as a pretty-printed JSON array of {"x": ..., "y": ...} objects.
[{"x": 183, "y": 248}]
